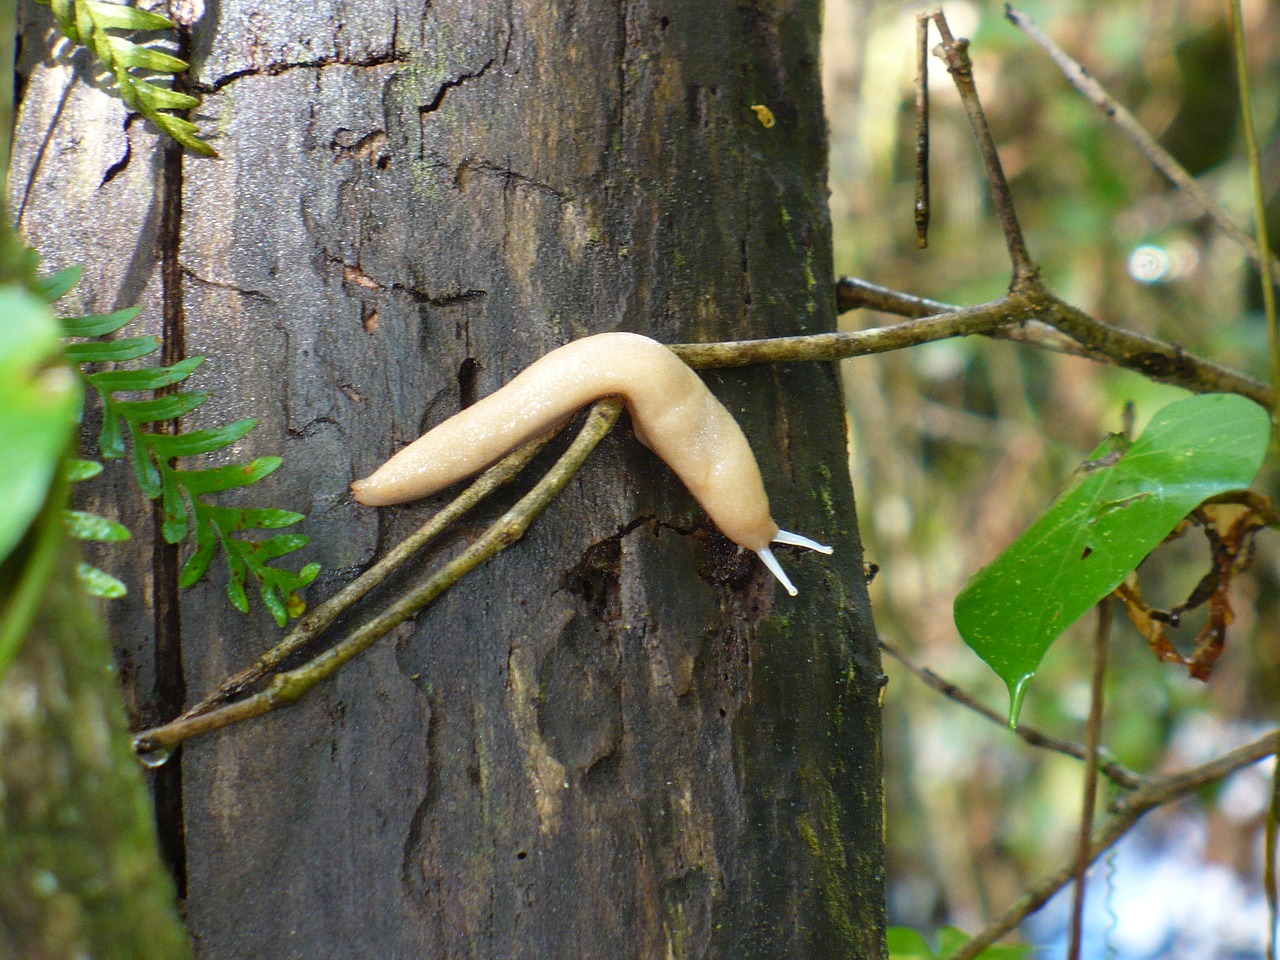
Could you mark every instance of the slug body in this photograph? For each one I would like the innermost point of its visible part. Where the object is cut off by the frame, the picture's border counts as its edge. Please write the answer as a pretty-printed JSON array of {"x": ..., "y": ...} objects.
[{"x": 672, "y": 411}]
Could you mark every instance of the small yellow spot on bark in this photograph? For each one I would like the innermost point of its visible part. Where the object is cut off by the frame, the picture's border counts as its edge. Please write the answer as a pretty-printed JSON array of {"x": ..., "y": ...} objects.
[{"x": 764, "y": 115}]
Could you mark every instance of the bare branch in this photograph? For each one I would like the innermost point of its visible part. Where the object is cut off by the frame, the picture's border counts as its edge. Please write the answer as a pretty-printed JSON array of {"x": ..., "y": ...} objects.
[
  {"x": 1113, "y": 770},
  {"x": 1127, "y": 123},
  {"x": 1128, "y": 810}
]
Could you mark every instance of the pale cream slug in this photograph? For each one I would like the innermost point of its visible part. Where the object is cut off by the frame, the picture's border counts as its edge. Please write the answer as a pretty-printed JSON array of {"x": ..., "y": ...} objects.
[{"x": 672, "y": 411}]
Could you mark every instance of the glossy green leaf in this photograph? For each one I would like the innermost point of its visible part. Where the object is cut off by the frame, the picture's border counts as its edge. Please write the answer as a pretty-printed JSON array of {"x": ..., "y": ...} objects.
[
  {"x": 1122, "y": 504},
  {"x": 233, "y": 475},
  {"x": 113, "y": 16},
  {"x": 116, "y": 351},
  {"x": 146, "y": 378},
  {"x": 41, "y": 401},
  {"x": 235, "y": 584},
  {"x": 60, "y": 284},
  {"x": 99, "y": 582},
  {"x": 91, "y": 526},
  {"x": 144, "y": 468},
  {"x": 98, "y": 325},
  {"x": 166, "y": 446}
]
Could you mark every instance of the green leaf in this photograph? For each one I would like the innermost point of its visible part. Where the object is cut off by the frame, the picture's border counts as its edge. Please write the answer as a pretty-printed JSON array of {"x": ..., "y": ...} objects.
[
  {"x": 151, "y": 97},
  {"x": 91, "y": 526},
  {"x": 197, "y": 482},
  {"x": 1123, "y": 504},
  {"x": 41, "y": 401},
  {"x": 261, "y": 551},
  {"x": 134, "y": 57},
  {"x": 147, "y": 378},
  {"x": 144, "y": 469},
  {"x": 198, "y": 563},
  {"x": 174, "y": 525},
  {"x": 253, "y": 518},
  {"x": 908, "y": 944},
  {"x": 98, "y": 325},
  {"x": 235, "y": 584},
  {"x": 167, "y": 446},
  {"x": 117, "y": 351},
  {"x": 60, "y": 284},
  {"x": 951, "y": 939},
  {"x": 161, "y": 408},
  {"x": 113, "y": 16},
  {"x": 183, "y": 131},
  {"x": 100, "y": 583},
  {"x": 110, "y": 440},
  {"x": 81, "y": 470}
]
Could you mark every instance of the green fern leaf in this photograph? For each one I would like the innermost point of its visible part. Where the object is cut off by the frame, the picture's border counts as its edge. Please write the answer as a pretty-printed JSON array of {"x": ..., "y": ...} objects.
[
  {"x": 131, "y": 56},
  {"x": 113, "y": 16},
  {"x": 99, "y": 583},
  {"x": 196, "y": 482},
  {"x": 115, "y": 351},
  {"x": 87, "y": 23},
  {"x": 80, "y": 470},
  {"x": 98, "y": 326},
  {"x": 181, "y": 492},
  {"x": 163, "y": 98},
  {"x": 148, "y": 378},
  {"x": 161, "y": 408},
  {"x": 196, "y": 442},
  {"x": 91, "y": 526},
  {"x": 57, "y": 286}
]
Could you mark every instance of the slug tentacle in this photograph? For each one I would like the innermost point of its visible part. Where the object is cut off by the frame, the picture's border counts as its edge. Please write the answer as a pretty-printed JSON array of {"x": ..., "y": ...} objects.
[{"x": 673, "y": 413}]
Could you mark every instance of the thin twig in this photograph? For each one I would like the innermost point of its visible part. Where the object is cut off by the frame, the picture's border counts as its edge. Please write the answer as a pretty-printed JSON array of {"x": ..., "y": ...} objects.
[
  {"x": 1093, "y": 738},
  {"x": 285, "y": 688},
  {"x": 1114, "y": 771},
  {"x": 1259, "y": 201},
  {"x": 955, "y": 54},
  {"x": 922, "y": 130},
  {"x": 1127, "y": 811},
  {"x": 1040, "y": 315},
  {"x": 316, "y": 621},
  {"x": 1127, "y": 123}
]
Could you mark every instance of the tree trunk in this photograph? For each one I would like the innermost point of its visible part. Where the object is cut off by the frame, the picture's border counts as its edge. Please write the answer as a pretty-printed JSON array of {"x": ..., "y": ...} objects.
[
  {"x": 619, "y": 738},
  {"x": 79, "y": 873}
]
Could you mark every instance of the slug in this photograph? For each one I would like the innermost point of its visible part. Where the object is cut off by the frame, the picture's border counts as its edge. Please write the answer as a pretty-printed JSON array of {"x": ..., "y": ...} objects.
[{"x": 672, "y": 411}]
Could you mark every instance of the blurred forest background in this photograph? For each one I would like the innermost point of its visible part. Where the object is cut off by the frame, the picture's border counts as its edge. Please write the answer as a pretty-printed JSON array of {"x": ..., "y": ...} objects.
[{"x": 958, "y": 445}]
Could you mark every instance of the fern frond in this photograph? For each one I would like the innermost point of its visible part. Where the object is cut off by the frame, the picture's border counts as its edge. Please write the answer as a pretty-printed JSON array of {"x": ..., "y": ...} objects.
[
  {"x": 88, "y": 22},
  {"x": 182, "y": 492}
]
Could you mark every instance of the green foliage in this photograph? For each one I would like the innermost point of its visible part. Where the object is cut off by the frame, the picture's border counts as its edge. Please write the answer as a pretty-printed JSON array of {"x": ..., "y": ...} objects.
[
  {"x": 88, "y": 22},
  {"x": 1123, "y": 502},
  {"x": 181, "y": 492},
  {"x": 908, "y": 944},
  {"x": 41, "y": 402}
]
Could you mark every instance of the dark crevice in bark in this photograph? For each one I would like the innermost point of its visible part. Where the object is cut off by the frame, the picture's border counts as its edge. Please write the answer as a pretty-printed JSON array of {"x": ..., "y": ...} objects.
[
  {"x": 170, "y": 686},
  {"x": 275, "y": 69},
  {"x": 448, "y": 85}
]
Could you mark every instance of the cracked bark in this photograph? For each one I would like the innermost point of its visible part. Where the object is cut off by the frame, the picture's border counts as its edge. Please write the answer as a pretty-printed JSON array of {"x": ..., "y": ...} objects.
[{"x": 618, "y": 739}]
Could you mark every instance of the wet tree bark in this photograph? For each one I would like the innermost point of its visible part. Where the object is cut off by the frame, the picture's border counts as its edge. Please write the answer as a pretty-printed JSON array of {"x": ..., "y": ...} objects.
[{"x": 620, "y": 738}]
